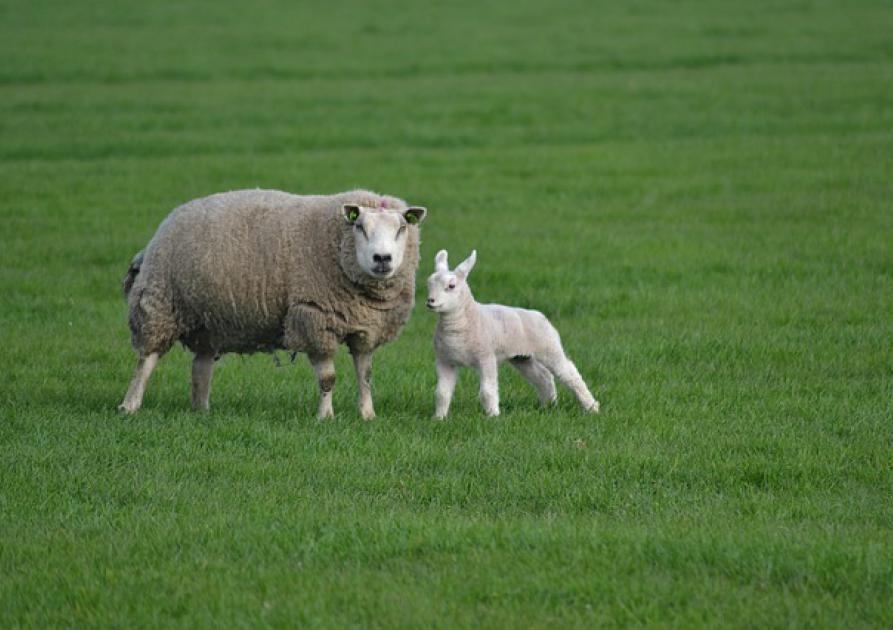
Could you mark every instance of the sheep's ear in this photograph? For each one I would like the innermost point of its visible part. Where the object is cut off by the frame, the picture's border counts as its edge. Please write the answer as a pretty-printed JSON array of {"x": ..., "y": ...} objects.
[
  {"x": 351, "y": 212},
  {"x": 467, "y": 265},
  {"x": 415, "y": 215},
  {"x": 440, "y": 261}
]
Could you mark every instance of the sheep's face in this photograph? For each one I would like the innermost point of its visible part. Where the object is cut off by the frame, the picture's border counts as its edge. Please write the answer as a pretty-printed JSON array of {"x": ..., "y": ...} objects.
[
  {"x": 448, "y": 290},
  {"x": 380, "y": 237}
]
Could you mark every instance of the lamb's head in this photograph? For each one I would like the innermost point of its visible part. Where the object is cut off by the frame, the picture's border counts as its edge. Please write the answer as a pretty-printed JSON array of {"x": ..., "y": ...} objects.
[
  {"x": 380, "y": 236},
  {"x": 448, "y": 290}
]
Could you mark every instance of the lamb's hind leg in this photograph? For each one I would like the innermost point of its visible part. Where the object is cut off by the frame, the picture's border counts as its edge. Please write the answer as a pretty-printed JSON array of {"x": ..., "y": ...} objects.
[
  {"x": 566, "y": 372},
  {"x": 538, "y": 376},
  {"x": 134, "y": 397},
  {"x": 202, "y": 370}
]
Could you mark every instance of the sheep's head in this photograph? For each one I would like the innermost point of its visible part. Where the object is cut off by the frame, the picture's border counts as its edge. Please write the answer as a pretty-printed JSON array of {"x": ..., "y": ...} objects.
[
  {"x": 380, "y": 236},
  {"x": 448, "y": 289}
]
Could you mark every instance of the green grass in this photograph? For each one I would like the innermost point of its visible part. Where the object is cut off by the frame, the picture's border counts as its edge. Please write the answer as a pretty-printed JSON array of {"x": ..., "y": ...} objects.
[{"x": 697, "y": 194}]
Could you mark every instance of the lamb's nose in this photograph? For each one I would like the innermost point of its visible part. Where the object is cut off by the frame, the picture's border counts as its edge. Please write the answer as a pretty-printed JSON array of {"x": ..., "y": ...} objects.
[
  {"x": 430, "y": 301},
  {"x": 381, "y": 258}
]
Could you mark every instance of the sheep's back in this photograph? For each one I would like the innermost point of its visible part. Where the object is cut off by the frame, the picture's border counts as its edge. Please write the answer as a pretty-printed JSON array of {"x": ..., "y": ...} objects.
[
  {"x": 233, "y": 265},
  {"x": 224, "y": 261}
]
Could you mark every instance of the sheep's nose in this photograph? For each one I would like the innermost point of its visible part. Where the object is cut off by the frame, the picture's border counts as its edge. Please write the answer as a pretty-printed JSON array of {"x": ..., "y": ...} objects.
[
  {"x": 381, "y": 258},
  {"x": 430, "y": 301}
]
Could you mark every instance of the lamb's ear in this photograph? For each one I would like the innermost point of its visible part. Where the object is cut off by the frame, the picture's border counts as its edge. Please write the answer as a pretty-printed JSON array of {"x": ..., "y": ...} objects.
[
  {"x": 415, "y": 215},
  {"x": 440, "y": 261},
  {"x": 467, "y": 265},
  {"x": 351, "y": 212}
]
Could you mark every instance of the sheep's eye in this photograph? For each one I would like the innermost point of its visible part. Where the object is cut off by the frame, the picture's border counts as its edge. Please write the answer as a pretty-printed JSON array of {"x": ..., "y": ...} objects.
[
  {"x": 361, "y": 230},
  {"x": 401, "y": 230},
  {"x": 451, "y": 286}
]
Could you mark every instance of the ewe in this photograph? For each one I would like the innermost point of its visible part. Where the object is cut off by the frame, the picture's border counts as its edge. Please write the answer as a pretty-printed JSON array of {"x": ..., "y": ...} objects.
[
  {"x": 259, "y": 270},
  {"x": 482, "y": 336}
]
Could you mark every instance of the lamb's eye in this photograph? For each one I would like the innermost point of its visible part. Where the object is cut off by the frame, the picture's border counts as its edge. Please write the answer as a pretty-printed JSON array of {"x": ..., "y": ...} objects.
[{"x": 451, "y": 286}]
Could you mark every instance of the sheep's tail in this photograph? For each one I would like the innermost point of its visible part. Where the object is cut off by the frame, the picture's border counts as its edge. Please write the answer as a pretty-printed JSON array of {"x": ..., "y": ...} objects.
[{"x": 132, "y": 272}]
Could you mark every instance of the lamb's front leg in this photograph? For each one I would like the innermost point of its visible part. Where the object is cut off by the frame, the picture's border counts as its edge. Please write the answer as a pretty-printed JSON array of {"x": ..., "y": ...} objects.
[
  {"x": 489, "y": 370},
  {"x": 446, "y": 384},
  {"x": 325, "y": 374},
  {"x": 362, "y": 362}
]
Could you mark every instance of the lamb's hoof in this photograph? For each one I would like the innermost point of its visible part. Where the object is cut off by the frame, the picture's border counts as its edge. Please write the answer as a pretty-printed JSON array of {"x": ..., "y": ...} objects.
[
  {"x": 593, "y": 408},
  {"x": 443, "y": 417}
]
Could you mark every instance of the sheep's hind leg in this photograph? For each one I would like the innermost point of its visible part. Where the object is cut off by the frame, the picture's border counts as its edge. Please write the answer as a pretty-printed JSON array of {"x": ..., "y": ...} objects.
[
  {"x": 325, "y": 374},
  {"x": 202, "y": 370},
  {"x": 362, "y": 362},
  {"x": 134, "y": 397},
  {"x": 566, "y": 372},
  {"x": 537, "y": 375}
]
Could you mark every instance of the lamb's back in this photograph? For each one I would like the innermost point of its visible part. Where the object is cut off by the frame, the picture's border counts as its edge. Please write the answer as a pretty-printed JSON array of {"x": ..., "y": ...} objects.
[{"x": 515, "y": 331}]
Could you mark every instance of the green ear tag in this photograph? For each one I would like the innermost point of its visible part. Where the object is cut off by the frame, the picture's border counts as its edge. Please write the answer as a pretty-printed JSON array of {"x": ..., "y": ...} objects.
[
  {"x": 354, "y": 214},
  {"x": 412, "y": 218}
]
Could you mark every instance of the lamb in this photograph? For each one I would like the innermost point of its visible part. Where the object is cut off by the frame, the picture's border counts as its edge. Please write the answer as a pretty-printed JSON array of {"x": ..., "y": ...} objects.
[
  {"x": 261, "y": 270},
  {"x": 484, "y": 335}
]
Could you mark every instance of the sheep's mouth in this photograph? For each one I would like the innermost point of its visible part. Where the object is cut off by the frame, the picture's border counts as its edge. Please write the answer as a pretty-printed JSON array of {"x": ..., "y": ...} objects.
[{"x": 382, "y": 271}]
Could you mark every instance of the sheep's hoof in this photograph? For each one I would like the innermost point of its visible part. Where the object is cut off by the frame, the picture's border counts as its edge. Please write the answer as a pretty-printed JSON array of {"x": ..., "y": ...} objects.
[{"x": 127, "y": 409}]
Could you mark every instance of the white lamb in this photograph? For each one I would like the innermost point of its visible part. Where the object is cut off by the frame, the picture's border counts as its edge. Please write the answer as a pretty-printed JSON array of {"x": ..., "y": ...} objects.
[{"x": 482, "y": 336}]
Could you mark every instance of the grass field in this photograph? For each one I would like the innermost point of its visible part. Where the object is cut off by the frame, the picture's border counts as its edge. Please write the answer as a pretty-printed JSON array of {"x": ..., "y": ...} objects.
[{"x": 697, "y": 194}]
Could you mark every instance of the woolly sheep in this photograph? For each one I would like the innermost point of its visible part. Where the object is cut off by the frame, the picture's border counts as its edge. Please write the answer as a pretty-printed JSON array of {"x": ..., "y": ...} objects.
[
  {"x": 484, "y": 335},
  {"x": 261, "y": 270}
]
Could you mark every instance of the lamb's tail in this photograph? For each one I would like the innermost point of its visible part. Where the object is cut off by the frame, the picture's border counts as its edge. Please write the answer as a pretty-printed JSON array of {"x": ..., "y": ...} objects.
[{"x": 132, "y": 272}]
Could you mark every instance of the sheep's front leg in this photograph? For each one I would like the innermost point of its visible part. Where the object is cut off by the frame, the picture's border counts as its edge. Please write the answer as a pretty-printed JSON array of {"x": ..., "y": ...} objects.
[
  {"x": 446, "y": 384},
  {"x": 325, "y": 374},
  {"x": 202, "y": 370},
  {"x": 490, "y": 386},
  {"x": 362, "y": 362},
  {"x": 134, "y": 397}
]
